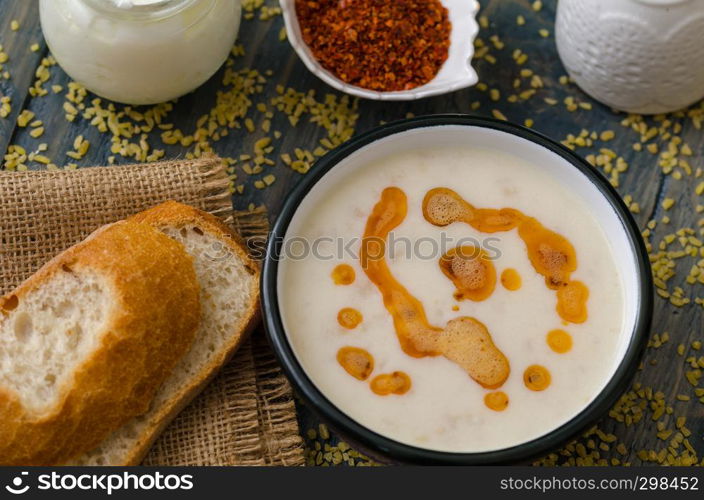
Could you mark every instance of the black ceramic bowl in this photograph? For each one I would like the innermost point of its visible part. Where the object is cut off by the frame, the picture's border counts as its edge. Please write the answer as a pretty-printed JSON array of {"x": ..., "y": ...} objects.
[{"x": 640, "y": 291}]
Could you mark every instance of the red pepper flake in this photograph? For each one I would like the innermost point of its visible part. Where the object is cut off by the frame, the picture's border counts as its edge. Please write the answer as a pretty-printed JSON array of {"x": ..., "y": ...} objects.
[{"x": 382, "y": 45}]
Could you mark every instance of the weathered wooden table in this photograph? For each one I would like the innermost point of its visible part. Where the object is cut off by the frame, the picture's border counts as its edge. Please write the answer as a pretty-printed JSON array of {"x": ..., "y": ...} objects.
[{"x": 656, "y": 162}]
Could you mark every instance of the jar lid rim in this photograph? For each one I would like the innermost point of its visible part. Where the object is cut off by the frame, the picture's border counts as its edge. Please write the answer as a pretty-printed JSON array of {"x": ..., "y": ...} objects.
[{"x": 159, "y": 9}]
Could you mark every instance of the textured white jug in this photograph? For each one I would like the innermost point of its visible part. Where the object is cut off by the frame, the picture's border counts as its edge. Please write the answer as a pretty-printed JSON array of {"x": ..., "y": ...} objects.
[{"x": 640, "y": 56}]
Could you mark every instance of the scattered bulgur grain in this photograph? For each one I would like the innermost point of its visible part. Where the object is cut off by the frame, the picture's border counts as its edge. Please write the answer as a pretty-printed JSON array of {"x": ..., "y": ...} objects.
[
  {"x": 498, "y": 114},
  {"x": 37, "y": 132},
  {"x": 5, "y": 106}
]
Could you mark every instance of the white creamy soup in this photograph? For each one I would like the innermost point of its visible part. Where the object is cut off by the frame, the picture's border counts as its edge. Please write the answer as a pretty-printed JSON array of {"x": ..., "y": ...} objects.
[{"x": 502, "y": 380}]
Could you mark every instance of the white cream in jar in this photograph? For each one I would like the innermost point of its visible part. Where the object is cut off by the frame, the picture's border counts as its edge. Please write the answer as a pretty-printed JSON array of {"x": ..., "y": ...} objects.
[{"x": 140, "y": 51}]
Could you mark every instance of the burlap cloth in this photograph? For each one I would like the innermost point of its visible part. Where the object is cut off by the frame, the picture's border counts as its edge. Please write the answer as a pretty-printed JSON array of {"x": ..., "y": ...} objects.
[{"x": 246, "y": 416}]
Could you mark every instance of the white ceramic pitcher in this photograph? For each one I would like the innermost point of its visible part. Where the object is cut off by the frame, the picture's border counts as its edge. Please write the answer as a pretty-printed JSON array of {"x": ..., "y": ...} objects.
[{"x": 640, "y": 56}]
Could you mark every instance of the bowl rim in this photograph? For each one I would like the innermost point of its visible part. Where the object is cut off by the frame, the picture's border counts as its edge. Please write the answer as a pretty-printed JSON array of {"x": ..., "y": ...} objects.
[
  {"x": 293, "y": 32},
  {"x": 396, "y": 450}
]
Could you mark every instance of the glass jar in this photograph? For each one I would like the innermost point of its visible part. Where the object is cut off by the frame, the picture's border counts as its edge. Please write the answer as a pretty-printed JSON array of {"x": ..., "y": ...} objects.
[{"x": 140, "y": 51}]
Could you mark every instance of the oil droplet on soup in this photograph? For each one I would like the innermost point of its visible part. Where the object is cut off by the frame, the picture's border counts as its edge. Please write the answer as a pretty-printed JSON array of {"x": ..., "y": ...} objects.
[
  {"x": 391, "y": 383},
  {"x": 464, "y": 340},
  {"x": 343, "y": 274},
  {"x": 572, "y": 302},
  {"x": 472, "y": 272},
  {"x": 550, "y": 254},
  {"x": 511, "y": 280},
  {"x": 559, "y": 341},
  {"x": 497, "y": 401},
  {"x": 349, "y": 318},
  {"x": 357, "y": 362},
  {"x": 536, "y": 378}
]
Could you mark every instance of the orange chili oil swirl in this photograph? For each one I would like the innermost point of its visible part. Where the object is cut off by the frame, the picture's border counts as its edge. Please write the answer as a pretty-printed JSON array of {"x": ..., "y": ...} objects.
[
  {"x": 550, "y": 254},
  {"x": 537, "y": 378},
  {"x": 497, "y": 401},
  {"x": 464, "y": 340},
  {"x": 472, "y": 272},
  {"x": 356, "y": 361},
  {"x": 510, "y": 279},
  {"x": 343, "y": 274},
  {"x": 391, "y": 383},
  {"x": 349, "y": 318}
]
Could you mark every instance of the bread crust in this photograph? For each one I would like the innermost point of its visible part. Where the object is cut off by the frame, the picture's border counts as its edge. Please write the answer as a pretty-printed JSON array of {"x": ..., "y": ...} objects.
[
  {"x": 150, "y": 326},
  {"x": 174, "y": 214}
]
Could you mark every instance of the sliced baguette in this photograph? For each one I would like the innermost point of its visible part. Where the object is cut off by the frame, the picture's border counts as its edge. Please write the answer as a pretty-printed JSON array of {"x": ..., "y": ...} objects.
[
  {"x": 229, "y": 284},
  {"x": 86, "y": 342}
]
